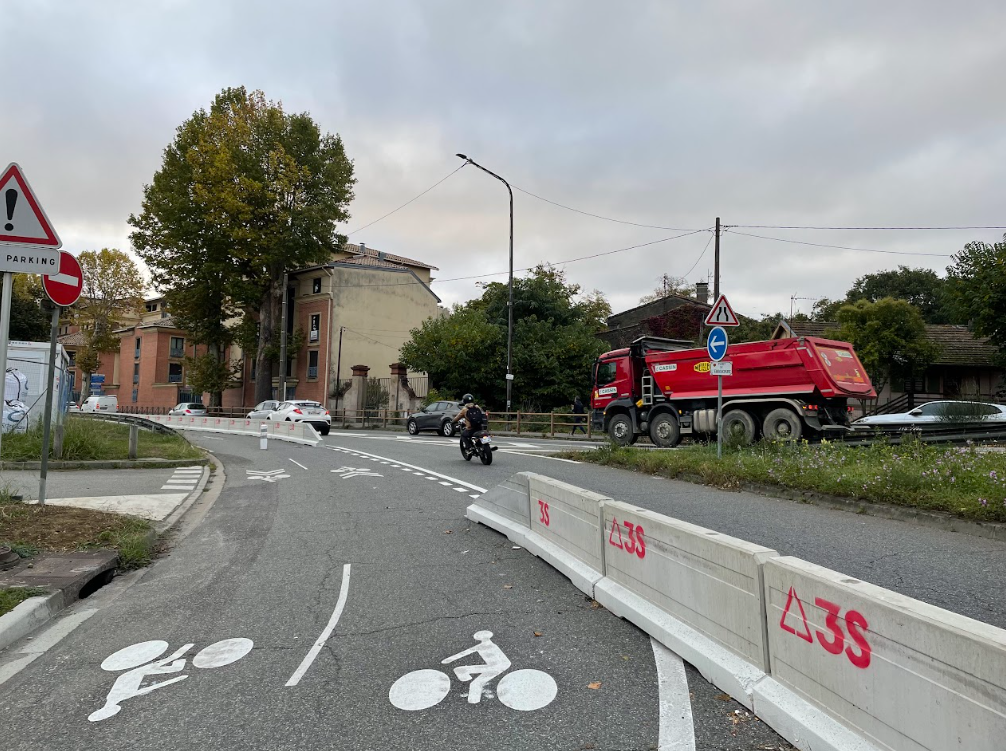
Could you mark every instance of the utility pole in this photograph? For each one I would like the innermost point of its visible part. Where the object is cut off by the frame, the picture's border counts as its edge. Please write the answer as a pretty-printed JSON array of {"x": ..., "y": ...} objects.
[
  {"x": 716, "y": 264},
  {"x": 282, "y": 340}
]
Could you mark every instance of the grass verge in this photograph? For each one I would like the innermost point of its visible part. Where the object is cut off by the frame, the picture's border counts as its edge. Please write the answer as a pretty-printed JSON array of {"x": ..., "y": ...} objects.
[
  {"x": 961, "y": 481},
  {"x": 11, "y": 597},
  {"x": 85, "y": 439},
  {"x": 32, "y": 529}
]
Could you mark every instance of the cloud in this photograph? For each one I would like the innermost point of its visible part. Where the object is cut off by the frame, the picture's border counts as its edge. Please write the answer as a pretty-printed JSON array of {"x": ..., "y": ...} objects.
[{"x": 660, "y": 113}]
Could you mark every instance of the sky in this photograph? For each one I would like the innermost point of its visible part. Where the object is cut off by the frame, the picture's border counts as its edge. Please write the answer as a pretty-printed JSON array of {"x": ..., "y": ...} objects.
[{"x": 658, "y": 113}]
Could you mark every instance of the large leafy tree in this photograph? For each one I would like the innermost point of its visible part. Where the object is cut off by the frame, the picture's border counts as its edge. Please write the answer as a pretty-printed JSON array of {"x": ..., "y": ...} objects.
[
  {"x": 890, "y": 338},
  {"x": 28, "y": 320},
  {"x": 923, "y": 288},
  {"x": 111, "y": 295},
  {"x": 976, "y": 290},
  {"x": 554, "y": 344},
  {"x": 245, "y": 193}
]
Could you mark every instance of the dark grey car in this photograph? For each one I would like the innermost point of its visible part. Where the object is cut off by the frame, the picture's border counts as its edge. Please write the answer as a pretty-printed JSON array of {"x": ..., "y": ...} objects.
[{"x": 438, "y": 416}]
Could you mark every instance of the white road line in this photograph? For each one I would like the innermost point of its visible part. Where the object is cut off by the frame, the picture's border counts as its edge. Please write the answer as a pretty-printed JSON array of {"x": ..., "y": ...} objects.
[
  {"x": 311, "y": 655},
  {"x": 677, "y": 729},
  {"x": 453, "y": 480},
  {"x": 298, "y": 463},
  {"x": 460, "y": 490},
  {"x": 41, "y": 643},
  {"x": 445, "y": 483},
  {"x": 178, "y": 487},
  {"x": 538, "y": 456},
  {"x": 475, "y": 495}
]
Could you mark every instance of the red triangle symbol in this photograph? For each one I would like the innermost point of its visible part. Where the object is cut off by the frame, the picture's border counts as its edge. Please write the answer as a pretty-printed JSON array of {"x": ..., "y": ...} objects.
[
  {"x": 615, "y": 527},
  {"x": 22, "y": 220},
  {"x": 805, "y": 634}
]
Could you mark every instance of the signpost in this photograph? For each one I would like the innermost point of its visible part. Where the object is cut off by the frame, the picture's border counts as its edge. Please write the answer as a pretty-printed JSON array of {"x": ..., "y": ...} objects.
[
  {"x": 23, "y": 225},
  {"x": 716, "y": 346},
  {"x": 63, "y": 288}
]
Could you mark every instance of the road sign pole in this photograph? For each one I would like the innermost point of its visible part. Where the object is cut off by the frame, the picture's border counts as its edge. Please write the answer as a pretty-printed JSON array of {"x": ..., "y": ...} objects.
[
  {"x": 6, "y": 290},
  {"x": 719, "y": 417},
  {"x": 47, "y": 415}
]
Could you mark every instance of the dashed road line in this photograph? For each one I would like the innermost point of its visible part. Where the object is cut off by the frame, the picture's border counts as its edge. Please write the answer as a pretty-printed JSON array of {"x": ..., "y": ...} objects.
[
  {"x": 445, "y": 480},
  {"x": 298, "y": 464}
]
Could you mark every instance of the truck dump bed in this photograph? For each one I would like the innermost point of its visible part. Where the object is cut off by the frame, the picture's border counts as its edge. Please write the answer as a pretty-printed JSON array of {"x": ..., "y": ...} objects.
[{"x": 780, "y": 366}]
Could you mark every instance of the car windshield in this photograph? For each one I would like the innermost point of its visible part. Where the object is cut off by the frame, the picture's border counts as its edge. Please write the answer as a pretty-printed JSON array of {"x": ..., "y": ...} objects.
[{"x": 195, "y": 406}]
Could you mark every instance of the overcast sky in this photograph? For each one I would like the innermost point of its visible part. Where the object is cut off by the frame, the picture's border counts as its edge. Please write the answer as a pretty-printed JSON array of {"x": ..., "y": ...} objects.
[{"x": 660, "y": 113}]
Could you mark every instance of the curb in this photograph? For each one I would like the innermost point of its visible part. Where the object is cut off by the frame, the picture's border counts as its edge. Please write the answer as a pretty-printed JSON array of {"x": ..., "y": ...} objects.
[
  {"x": 171, "y": 519},
  {"x": 28, "y": 616},
  {"x": 116, "y": 464}
]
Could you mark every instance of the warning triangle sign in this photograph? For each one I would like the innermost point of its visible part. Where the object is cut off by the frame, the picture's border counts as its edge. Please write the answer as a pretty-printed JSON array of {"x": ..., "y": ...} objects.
[
  {"x": 722, "y": 314},
  {"x": 22, "y": 220},
  {"x": 804, "y": 632}
]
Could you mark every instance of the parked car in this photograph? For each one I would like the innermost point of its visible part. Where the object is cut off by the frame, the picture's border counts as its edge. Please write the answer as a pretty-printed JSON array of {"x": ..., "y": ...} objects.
[
  {"x": 937, "y": 412},
  {"x": 100, "y": 404},
  {"x": 72, "y": 407},
  {"x": 304, "y": 410},
  {"x": 438, "y": 416},
  {"x": 188, "y": 408},
  {"x": 262, "y": 410}
]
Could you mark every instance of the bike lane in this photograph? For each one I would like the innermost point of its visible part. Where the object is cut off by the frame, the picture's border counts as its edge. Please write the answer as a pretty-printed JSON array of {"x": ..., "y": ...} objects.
[{"x": 373, "y": 563}]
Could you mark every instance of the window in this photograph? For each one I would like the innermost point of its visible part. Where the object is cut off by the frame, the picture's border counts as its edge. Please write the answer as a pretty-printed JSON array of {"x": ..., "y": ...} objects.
[
  {"x": 72, "y": 354},
  {"x": 137, "y": 352},
  {"x": 312, "y": 364},
  {"x": 253, "y": 363},
  {"x": 174, "y": 372},
  {"x": 606, "y": 373},
  {"x": 289, "y": 367},
  {"x": 136, "y": 395},
  {"x": 136, "y": 373},
  {"x": 177, "y": 347},
  {"x": 315, "y": 326},
  {"x": 151, "y": 307},
  {"x": 933, "y": 383},
  {"x": 316, "y": 285}
]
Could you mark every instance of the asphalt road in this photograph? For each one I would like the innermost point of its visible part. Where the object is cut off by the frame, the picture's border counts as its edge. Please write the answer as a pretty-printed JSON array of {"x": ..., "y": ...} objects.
[{"x": 290, "y": 617}]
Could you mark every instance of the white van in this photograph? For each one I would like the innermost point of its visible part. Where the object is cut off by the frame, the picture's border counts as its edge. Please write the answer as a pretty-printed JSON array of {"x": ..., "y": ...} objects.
[{"x": 100, "y": 404}]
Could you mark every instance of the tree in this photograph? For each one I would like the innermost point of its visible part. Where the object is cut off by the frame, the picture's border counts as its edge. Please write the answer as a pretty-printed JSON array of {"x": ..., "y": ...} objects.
[
  {"x": 112, "y": 292},
  {"x": 669, "y": 285},
  {"x": 28, "y": 319},
  {"x": 890, "y": 338},
  {"x": 554, "y": 344},
  {"x": 923, "y": 288},
  {"x": 245, "y": 193},
  {"x": 976, "y": 290}
]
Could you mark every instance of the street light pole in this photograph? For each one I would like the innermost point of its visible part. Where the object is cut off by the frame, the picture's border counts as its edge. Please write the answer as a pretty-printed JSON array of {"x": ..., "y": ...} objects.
[{"x": 509, "y": 333}]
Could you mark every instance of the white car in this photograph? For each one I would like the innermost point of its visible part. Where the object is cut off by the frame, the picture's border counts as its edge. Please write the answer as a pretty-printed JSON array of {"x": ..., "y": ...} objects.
[
  {"x": 193, "y": 409},
  {"x": 303, "y": 410},
  {"x": 262, "y": 410},
  {"x": 937, "y": 412}
]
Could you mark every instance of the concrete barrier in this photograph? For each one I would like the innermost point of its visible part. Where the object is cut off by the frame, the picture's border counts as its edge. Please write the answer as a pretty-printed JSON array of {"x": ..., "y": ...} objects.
[
  {"x": 294, "y": 432},
  {"x": 505, "y": 508},
  {"x": 566, "y": 529},
  {"x": 697, "y": 591},
  {"x": 905, "y": 675}
]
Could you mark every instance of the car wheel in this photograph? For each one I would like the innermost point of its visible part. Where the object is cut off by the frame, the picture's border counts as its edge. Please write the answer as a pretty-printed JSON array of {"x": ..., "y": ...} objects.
[
  {"x": 412, "y": 427},
  {"x": 664, "y": 431},
  {"x": 782, "y": 425},
  {"x": 620, "y": 430},
  {"x": 325, "y": 429},
  {"x": 447, "y": 429},
  {"x": 739, "y": 427}
]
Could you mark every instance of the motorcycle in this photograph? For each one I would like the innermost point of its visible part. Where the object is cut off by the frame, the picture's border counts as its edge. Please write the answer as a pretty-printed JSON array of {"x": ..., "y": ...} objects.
[{"x": 480, "y": 443}]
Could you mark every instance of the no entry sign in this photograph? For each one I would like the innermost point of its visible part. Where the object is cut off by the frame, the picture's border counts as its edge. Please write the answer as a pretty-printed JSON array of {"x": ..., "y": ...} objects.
[{"x": 64, "y": 287}]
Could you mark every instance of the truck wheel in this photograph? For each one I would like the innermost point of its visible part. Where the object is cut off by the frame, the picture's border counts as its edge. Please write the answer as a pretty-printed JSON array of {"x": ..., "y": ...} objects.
[
  {"x": 664, "y": 431},
  {"x": 620, "y": 430},
  {"x": 782, "y": 425},
  {"x": 738, "y": 427}
]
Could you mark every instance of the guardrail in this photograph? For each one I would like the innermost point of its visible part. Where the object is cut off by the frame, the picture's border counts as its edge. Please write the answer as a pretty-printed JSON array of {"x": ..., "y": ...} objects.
[
  {"x": 829, "y": 662},
  {"x": 295, "y": 432},
  {"x": 126, "y": 419}
]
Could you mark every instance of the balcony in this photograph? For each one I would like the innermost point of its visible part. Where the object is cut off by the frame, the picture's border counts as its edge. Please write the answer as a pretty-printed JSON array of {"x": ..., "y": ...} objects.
[
  {"x": 312, "y": 372},
  {"x": 174, "y": 377},
  {"x": 313, "y": 335},
  {"x": 178, "y": 352}
]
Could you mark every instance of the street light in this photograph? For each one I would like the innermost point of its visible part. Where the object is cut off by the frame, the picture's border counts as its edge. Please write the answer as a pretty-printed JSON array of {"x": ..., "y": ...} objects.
[{"x": 509, "y": 332}]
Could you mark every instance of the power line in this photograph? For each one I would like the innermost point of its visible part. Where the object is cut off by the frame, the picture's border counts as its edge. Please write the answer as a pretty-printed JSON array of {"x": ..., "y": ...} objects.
[
  {"x": 700, "y": 257},
  {"x": 837, "y": 247},
  {"x": 900, "y": 229},
  {"x": 358, "y": 229},
  {"x": 598, "y": 216}
]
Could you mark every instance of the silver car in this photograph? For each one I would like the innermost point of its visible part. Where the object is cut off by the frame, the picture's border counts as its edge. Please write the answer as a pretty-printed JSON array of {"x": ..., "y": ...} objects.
[
  {"x": 193, "y": 409},
  {"x": 946, "y": 411},
  {"x": 262, "y": 410}
]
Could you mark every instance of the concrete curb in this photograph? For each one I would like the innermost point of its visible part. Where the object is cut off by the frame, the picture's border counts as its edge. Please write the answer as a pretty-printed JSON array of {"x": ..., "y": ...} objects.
[
  {"x": 28, "y": 616},
  {"x": 116, "y": 464}
]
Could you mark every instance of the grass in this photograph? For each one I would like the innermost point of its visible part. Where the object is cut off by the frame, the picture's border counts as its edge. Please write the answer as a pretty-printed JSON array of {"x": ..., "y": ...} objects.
[
  {"x": 961, "y": 481},
  {"x": 32, "y": 529},
  {"x": 11, "y": 597},
  {"x": 85, "y": 439}
]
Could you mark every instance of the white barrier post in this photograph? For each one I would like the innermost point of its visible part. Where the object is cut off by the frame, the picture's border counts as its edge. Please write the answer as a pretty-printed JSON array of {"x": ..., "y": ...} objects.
[{"x": 263, "y": 437}]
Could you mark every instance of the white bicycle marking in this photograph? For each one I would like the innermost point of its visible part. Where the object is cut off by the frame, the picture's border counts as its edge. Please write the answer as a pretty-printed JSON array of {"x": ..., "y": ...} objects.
[
  {"x": 442, "y": 476},
  {"x": 521, "y": 690},
  {"x": 140, "y": 662},
  {"x": 268, "y": 476},
  {"x": 348, "y": 472}
]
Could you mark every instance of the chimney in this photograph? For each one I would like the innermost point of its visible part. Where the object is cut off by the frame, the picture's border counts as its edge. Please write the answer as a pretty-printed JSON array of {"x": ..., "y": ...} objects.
[
  {"x": 363, "y": 249},
  {"x": 702, "y": 292}
]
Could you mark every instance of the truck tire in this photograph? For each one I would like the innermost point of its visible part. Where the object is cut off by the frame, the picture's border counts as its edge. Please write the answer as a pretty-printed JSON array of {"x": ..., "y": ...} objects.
[
  {"x": 620, "y": 430},
  {"x": 738, "y": 427},
  {"x": 664, "y": 431},
  {"x": 782, "y": 425}
]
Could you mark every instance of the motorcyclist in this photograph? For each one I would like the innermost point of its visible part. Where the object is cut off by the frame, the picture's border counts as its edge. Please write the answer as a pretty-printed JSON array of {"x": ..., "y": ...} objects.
[{"x": 473, "y": 417}]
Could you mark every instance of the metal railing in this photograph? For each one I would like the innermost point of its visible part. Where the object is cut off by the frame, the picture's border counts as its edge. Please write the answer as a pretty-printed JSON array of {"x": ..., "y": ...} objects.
[
  {"x": 312, "y": 372},
  {"x": 176, "y": 353}
]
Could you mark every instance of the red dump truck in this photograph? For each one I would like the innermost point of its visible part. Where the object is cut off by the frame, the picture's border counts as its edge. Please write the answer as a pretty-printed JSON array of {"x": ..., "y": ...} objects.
[{"x": 780, "y": 389}]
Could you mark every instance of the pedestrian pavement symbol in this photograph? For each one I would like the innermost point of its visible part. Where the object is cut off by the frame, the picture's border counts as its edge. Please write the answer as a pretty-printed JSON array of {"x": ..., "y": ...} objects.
[
  {"x": 267, "y": 476},
  {"x": 348, "y": 472}
]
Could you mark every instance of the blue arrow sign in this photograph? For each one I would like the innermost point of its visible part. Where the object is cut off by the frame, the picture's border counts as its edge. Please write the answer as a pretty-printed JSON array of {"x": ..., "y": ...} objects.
[{"x": 716, "y": 344}]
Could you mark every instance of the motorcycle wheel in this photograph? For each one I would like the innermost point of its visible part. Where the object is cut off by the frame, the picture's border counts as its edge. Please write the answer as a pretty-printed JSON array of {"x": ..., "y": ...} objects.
[
  {"x": 486, "y": 455},
  {"x": 466, "y": 454}
]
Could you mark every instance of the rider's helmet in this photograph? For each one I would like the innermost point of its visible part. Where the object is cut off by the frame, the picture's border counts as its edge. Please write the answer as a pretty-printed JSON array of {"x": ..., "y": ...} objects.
[{"x": 467, "y": 399}]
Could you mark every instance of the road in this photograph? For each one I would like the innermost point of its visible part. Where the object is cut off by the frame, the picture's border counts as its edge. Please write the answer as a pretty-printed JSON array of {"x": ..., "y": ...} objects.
[{"x": 315, "y": 607}]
